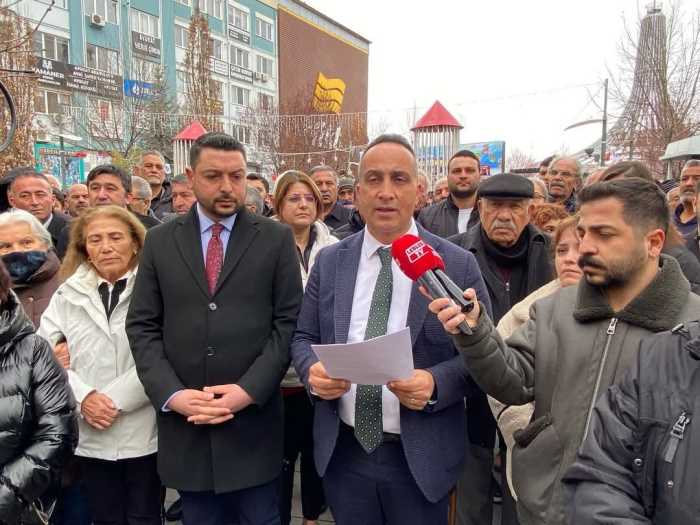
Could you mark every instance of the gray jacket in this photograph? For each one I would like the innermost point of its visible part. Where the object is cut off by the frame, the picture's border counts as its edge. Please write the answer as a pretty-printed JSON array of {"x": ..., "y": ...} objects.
[{"x": 581, "y": 347}]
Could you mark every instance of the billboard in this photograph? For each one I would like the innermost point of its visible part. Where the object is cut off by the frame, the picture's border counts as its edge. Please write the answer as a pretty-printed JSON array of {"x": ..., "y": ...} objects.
[{"x": 492, "y": 155}]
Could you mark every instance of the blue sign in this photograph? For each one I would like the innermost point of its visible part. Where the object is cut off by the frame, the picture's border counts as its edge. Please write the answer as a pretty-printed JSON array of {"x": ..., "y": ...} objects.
[
  {"x": 137, "y": 89},
  {"x": 491, "y": 155}
]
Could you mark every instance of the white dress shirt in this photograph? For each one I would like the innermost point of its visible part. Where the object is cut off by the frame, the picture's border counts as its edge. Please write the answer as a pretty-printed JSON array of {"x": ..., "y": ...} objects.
[
  {"x": 463, "y": 219},
  {"x": 367, "y": 274}
]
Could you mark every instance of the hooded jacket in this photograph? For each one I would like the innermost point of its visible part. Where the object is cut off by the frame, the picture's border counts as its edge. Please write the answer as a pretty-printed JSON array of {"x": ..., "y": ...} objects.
[
  {"x": 100, "y": 360},
  {"x": 38, "y": 428},
  {"x": 36, "y": 293},
  {"x": 640, "y": 462},
  {"x": 573, "y": 347}
]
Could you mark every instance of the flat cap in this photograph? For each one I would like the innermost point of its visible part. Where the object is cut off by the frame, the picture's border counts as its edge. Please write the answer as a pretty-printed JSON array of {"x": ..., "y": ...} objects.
[
  {"x": 506, "y": 186},
  {"x": 346, "y": 182}
]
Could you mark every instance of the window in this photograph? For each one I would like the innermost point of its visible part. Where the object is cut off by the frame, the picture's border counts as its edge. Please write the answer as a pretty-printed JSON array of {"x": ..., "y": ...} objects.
[
  {"x": 51, "y": 46},
  {"x": 217, "y": 89},
  {"x": 265, "y": 101},
  {"x": 239, "y": 57},
  {"x": 144, "y": 23},
  {"x": 242, "y": 134},
  {"x": 239, "y": 96},
  {"x": 263, "y": 28},
  {"x": 238, "y": 18},
  {"x": 264, "y": 65},
  {"x": 182, "y": 35},
  {"x": 217, "y": 49},
  {"x": 214, "y": 8},
  {"x": 144, "y": 70},
  {"x": 183, "y": 2},
  {"x": 103, "y": 112},
  {"x": 50, "y": 101},
  {"x": 107, "y": 9},
  {"x": 181, "y": 81},
  {"x": 101, "y": 58}
]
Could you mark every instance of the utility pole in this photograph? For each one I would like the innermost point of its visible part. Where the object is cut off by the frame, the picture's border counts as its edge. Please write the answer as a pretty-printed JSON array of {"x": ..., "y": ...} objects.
[{"x": 604, "y": 136}]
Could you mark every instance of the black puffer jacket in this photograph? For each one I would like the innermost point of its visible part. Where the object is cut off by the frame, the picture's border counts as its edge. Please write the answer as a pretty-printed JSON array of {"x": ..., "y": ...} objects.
[
  {"x": 38, "y": 426},
  {"x": 641, "y": 461}
]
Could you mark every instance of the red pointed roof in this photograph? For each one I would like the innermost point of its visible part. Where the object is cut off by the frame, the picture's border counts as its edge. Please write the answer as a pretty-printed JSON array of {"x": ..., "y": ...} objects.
[
  {"x": 191, "y": 132},
  {"x": 437, "y": 115}
]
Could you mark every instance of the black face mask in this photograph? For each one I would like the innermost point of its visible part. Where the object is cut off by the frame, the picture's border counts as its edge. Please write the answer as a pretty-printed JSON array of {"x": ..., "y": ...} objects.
[{"x": 22, "y": 265}]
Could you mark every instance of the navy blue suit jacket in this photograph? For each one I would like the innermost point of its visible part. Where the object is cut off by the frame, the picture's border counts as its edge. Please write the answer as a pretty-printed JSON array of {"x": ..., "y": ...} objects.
[{"x": 434, "y": 440}]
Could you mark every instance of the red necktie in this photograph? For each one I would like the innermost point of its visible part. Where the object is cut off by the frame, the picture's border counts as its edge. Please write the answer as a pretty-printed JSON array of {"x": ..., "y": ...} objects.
[{"x": 215, "y": 257}]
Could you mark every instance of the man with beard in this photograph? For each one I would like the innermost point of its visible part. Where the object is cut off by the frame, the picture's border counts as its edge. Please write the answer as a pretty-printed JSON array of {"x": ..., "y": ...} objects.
[
  {"x": 456, "y": 213},
  {"x": 333, "y": 213},
  {"x": 582, "y": 338},
  {"x": 77, "y": 200},
  {"x": 210, "y": 323},
  {"x": 685, "y": 217},
  {"x": 563, "y": 179},
  {"x": 515, "y": 260}
]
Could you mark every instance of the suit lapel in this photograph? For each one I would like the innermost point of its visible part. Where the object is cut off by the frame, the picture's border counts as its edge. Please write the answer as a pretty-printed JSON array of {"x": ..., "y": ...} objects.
[
  {"x": 242, "y": 235},
  {"x": 346, "y": 264},
  {"x": 188, "y": 240}
]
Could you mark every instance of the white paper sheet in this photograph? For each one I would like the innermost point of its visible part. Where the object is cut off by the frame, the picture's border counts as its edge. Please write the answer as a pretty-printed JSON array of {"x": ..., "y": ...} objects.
[{"x": 373, "y": 362}]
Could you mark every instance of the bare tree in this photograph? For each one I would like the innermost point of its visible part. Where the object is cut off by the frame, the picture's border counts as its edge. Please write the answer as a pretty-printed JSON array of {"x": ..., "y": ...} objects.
[
  {"x": 518, "y": 159},
  {"x": 202, "y": 93},
  {"x": 159, "y": 108},
  {"x": 15, "y": 60},
  {"x": 657, "y": 80}
]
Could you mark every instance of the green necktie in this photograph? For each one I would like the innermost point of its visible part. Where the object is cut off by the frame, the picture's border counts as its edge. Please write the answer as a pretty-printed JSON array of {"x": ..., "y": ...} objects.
[{"x": 368, "y": 400}]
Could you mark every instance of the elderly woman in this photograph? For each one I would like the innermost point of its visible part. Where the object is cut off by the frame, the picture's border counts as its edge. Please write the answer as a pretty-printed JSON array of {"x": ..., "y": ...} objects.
[
  {"x": 565, "y": 243},
  {"x": 298, "y": 204},
  {"x": 27, "y": 251},
  {"x": 38, "y": 428},
  {"x": 117, "y": 447}
]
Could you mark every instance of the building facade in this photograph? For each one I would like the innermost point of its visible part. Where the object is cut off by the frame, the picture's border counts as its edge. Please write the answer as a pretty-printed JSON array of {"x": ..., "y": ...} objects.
[{"x": 96, "y": 56}]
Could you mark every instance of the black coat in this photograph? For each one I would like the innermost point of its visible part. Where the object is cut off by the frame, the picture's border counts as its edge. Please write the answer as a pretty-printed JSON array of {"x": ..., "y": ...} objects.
[
  {"x": 163, "y": 203},
  {"x": 693, "y": 244},
  {"x": 441, "y": 218},
  {"x": 182, "y": 337},
  {"x": 354, "y": 225},
  {"x": 60, "y": 231},
  {"x": 338, "y": 216},
  {"x": 628, "y": 470},
  {"x": 540, "y": 268},
  {"x": 689, "y": 264},
  {"x": 38, "y": 426}
]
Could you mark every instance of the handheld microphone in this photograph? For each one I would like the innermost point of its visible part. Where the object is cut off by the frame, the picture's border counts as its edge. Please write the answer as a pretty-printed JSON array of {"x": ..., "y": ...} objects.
[{"x": 420, "y": 262}]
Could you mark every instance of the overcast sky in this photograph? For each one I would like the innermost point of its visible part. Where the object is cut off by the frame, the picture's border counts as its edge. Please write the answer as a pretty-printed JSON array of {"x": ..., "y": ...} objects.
[{"x": 483, "y": 59}]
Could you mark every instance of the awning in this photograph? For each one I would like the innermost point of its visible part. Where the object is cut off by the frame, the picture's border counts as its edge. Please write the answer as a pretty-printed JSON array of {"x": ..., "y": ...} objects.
[{"x": 683, "y": 149}]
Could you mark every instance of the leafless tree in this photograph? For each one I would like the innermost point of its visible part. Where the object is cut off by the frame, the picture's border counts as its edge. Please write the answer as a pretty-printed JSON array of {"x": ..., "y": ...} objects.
[
  {"x": 518, "y": 159},
  {"x": 656, "y": 82},
  {"x": 15, "y": 60}
]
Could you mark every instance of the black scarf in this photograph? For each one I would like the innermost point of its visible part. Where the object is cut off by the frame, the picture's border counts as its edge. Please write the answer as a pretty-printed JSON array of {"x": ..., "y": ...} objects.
[{"x": 507, "y": 257}]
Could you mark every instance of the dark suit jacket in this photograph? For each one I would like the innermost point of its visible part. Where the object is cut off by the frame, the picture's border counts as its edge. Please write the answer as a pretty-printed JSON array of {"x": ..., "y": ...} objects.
[
  {"x": 183, "y": 337},
  {"x": 434, "y": 439},
  {"x": 59, "y": 227},
  {"x": 339, "y": 216}
]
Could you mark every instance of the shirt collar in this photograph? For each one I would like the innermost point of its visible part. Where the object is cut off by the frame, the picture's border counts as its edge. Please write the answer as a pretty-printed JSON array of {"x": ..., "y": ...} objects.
[
  {"x": 370, "y": 244},
  {"x": 206, "y": 223},
  {"x": 47, "y": 222},
  {"x": 126, "y": 276}
]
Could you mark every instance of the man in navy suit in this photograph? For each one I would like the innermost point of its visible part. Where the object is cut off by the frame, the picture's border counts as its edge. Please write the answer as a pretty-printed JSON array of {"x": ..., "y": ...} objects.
[{"x": 387, "y": 454}]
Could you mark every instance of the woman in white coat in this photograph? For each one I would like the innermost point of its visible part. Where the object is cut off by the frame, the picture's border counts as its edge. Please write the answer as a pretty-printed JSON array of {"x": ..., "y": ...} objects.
[
  {"x": 118, "y": 443},
  {"x": 298, "y": 204}
]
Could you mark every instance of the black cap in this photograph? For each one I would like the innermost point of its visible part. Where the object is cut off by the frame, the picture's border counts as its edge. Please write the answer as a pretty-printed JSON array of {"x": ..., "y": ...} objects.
[
  {"x": 346, "y": 182},
  {"x": 506, "y": 186}
]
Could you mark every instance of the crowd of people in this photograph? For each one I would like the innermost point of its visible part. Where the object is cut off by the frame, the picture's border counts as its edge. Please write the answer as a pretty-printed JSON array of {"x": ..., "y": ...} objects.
[{"x": 157, "y": 333}]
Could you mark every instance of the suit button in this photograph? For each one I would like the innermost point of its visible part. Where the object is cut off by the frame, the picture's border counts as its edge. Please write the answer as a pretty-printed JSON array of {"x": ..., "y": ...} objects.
[
  {"x": 212, "y": 306},
  {"x": 211, "y": 351}
]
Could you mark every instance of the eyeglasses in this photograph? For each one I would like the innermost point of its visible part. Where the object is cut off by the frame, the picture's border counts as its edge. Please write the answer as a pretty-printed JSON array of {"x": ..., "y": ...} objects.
[{"x": 296, "y": 198}]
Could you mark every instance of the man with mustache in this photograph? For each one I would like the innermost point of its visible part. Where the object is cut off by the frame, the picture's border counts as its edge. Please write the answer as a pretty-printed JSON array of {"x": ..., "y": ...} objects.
[
  {"x": 334, "y": 214},
  {"x": 685, "y": 217},
  {"x": 456, "y": 213},
  {"x": 581, "y": 339},
  {"x": 515, "y": 260},
  {"x": 563, "y": 179},
  {"x": 210, "y": 322}
]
